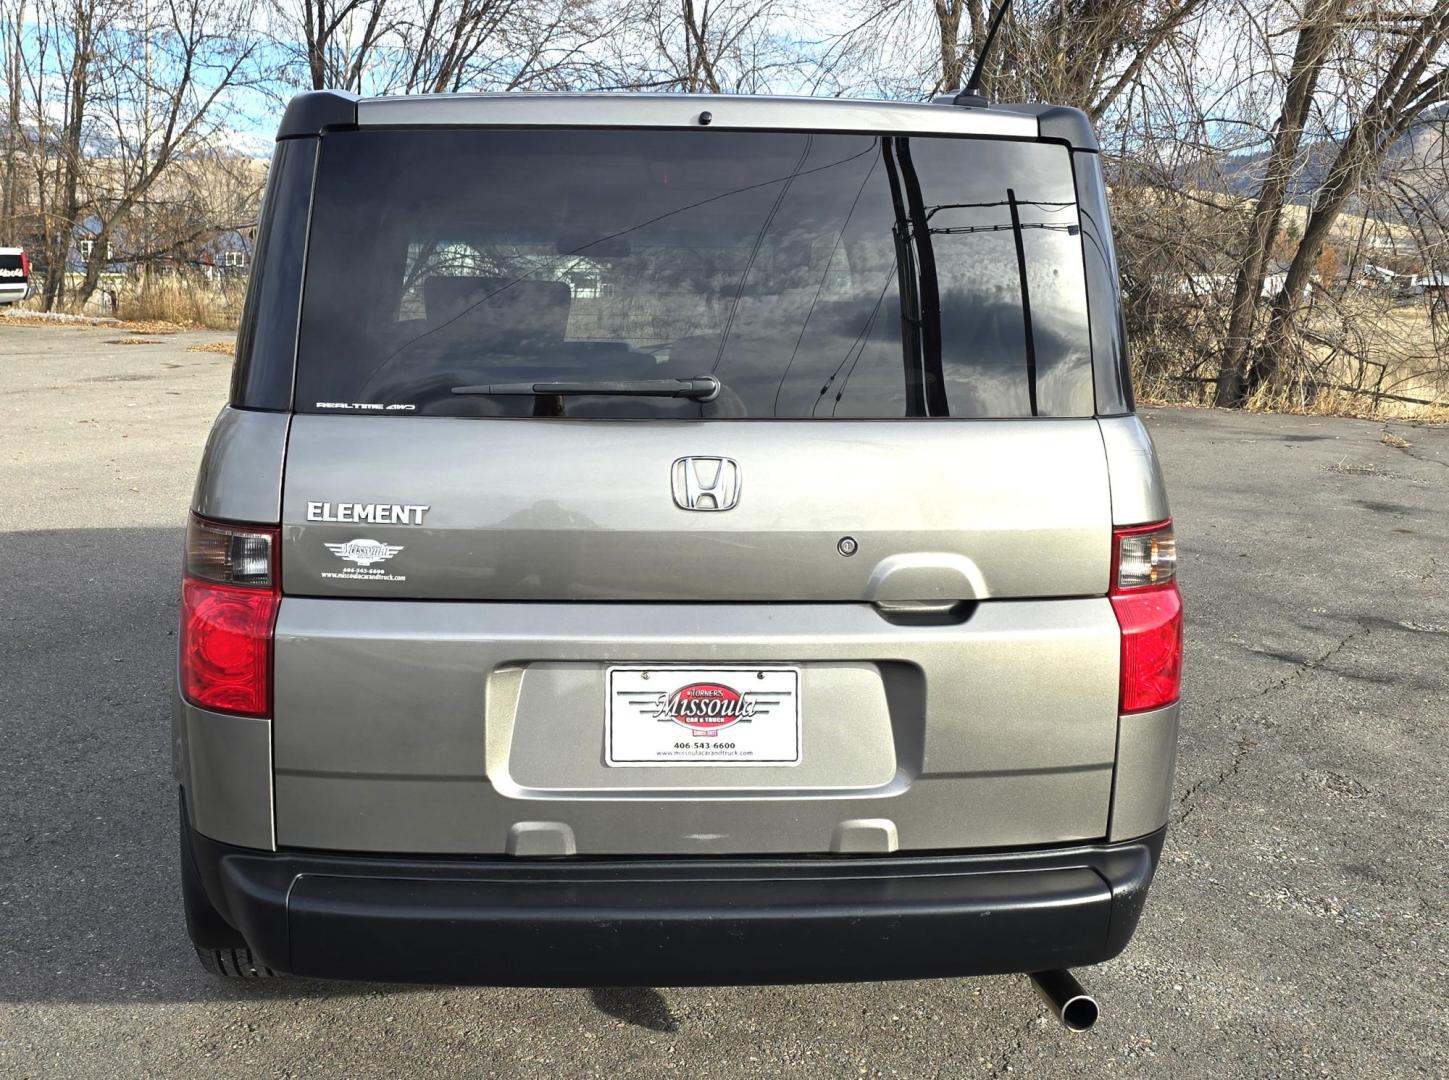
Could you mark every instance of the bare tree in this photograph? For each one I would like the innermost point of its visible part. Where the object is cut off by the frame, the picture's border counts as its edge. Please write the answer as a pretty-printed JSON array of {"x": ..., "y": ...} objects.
[
  {"x": 441, "y": 46},
  {"x": 1085, "y": 53},
  {"x": 1316, "y": 33},
  {"x": 335, "y": 38},
  {"x": 1414, "y": 80},
  {"x": 12, "y": 29},
  {"x": 61, "y": 71},
  {"x": 164, "y": 80},
  {"x": 500, "y": 45},
  {"x": 708, "y": 46},
  {"x": 446, "y": 40}
]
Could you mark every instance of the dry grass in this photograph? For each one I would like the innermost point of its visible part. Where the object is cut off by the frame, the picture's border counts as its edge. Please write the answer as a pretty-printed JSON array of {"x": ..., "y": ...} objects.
[
  {"x": 221, "y": 348},
  {"x": 1361, "y": 349},
  {"x": 160, "y": 303},
  {"x": 189, "y": 300},
  {"x": 1339, "y": 404},
  {"x": 138, "y": 327},
  {"x": 35, "y": 318},
  {"x": 1159, "y": 391}
]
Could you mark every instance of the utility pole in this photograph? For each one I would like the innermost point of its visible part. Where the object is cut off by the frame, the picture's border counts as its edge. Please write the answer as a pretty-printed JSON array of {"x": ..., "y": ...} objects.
[
  {"x": 9, "y": 212},
  {"x": 145, "y": 244}
]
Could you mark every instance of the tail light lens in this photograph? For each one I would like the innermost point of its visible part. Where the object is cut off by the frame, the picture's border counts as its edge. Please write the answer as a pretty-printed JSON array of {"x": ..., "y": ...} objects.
[
  {"x": 1149, "y": 610},
  {"x": 229, "y": 601},
  {"x": 24, "y": 264}
]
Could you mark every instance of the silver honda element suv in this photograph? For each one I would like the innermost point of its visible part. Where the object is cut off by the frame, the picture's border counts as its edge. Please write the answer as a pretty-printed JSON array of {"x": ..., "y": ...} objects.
[{"x": 658, "y": 539}]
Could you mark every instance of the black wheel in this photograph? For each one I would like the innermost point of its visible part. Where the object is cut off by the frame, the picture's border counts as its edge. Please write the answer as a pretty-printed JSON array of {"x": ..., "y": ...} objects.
[{"x": 233, "y": 963}]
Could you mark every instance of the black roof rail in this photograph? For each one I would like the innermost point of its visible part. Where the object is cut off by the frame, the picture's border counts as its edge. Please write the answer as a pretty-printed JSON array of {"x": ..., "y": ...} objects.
[{"x": 318, "y": 110}]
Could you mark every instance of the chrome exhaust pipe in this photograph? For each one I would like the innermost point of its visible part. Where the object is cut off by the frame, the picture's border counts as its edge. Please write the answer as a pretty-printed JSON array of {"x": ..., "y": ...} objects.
[{"x": 1074, "y": 1007}]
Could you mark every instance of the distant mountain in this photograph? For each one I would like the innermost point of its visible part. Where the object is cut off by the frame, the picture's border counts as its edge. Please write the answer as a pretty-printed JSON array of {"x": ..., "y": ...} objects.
[
  {"x": 244, "y": 143},
  {"x": 1422, "y": 149}
]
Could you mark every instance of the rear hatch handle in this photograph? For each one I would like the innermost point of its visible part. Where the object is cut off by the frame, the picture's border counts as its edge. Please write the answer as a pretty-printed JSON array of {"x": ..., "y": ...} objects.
[
  {"x": 926, "y": 587},
  {"x": 925, "y": 612}
]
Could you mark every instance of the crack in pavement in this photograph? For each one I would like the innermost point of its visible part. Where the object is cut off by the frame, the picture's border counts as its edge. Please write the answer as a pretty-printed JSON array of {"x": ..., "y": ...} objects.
[
  {"x": 1299, "y": 667},
  {"x": 1246, "y": 744},
  {"x": 1420, "y": 457},
  {"x": 1314, "y": 663},
  {"x": 1244, "y": 747}
]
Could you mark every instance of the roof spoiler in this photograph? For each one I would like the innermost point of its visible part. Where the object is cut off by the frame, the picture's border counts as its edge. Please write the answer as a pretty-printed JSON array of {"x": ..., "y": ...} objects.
[
  {"x": 1056, "y": 123},
  {"x": 317, "y": 111}
]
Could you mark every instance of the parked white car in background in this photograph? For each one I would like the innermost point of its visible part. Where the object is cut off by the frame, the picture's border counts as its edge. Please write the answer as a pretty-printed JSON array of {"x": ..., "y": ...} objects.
[{"x": 14, "y": 275}]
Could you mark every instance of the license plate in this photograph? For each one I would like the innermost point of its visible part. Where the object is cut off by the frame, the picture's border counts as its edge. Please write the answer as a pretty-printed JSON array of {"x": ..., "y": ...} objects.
[{"x": 702, "y": 716}]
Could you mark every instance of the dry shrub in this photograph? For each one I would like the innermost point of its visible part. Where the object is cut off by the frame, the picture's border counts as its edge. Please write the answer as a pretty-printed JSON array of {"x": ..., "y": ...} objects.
[
  {"x": 191, "y": 298},
  {"x": 1356, "y": 351},
  {"x": 1338, "y": 403}
]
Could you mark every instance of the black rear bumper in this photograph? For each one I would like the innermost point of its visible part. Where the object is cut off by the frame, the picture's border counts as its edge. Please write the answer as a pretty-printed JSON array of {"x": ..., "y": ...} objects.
[{"x": 662, "y": 922}]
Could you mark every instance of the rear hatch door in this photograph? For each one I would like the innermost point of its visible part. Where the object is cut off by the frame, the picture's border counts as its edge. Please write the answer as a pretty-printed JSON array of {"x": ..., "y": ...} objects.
[{"x": 880, "y": 553}]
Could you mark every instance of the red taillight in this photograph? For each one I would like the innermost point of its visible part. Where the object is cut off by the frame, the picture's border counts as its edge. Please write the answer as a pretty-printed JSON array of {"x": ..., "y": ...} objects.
[
  {"x": 1149, "y": 610},
  {"x": 24, "y": 264},
  {"x": 229, "y": 602}
]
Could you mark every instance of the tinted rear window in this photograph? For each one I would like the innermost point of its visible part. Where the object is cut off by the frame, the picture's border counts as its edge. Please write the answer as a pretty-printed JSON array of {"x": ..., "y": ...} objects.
[
  {"x": 815, "y": 275},
  {"x": 12, "y": 262}
]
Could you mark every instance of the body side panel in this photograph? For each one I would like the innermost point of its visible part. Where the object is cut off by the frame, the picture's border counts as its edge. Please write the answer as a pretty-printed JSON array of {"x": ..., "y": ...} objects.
[
  {"x": 227, "y": 769},
  {"x": 1139, "y": 495},
  {"x": 1146, "y": 759},
  {"x": 240, "y": 478}
]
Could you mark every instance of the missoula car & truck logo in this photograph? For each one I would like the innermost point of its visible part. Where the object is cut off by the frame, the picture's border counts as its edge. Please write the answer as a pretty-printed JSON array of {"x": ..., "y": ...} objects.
[
  {"x": 705, "y": 708},
  {"x": 362, "y": 553}
]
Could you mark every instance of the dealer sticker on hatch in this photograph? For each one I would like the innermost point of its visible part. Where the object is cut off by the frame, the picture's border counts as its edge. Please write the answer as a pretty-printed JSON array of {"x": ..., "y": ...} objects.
[{"x": 702, "y": 716}]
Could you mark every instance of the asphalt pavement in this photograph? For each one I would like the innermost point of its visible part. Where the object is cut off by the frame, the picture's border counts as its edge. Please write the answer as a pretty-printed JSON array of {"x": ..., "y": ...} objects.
[{"x": 1296, "y": 929}]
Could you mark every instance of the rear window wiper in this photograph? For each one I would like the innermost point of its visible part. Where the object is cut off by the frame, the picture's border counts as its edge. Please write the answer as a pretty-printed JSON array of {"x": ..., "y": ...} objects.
[{"x": 699, "y": 388}]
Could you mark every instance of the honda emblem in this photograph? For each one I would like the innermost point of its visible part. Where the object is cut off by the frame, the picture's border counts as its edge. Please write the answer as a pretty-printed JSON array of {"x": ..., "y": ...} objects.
[{"x": 706, "y": 483}]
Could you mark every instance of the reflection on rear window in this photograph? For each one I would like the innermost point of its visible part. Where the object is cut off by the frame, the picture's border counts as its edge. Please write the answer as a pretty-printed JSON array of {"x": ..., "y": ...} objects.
[{"x": 815, "y": 275}]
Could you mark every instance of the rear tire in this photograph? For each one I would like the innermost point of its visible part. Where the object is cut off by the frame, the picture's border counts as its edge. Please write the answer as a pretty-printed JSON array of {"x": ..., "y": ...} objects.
[
  {"x": 233, "y": 963},
  {"x": 220, "y": 948}
]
